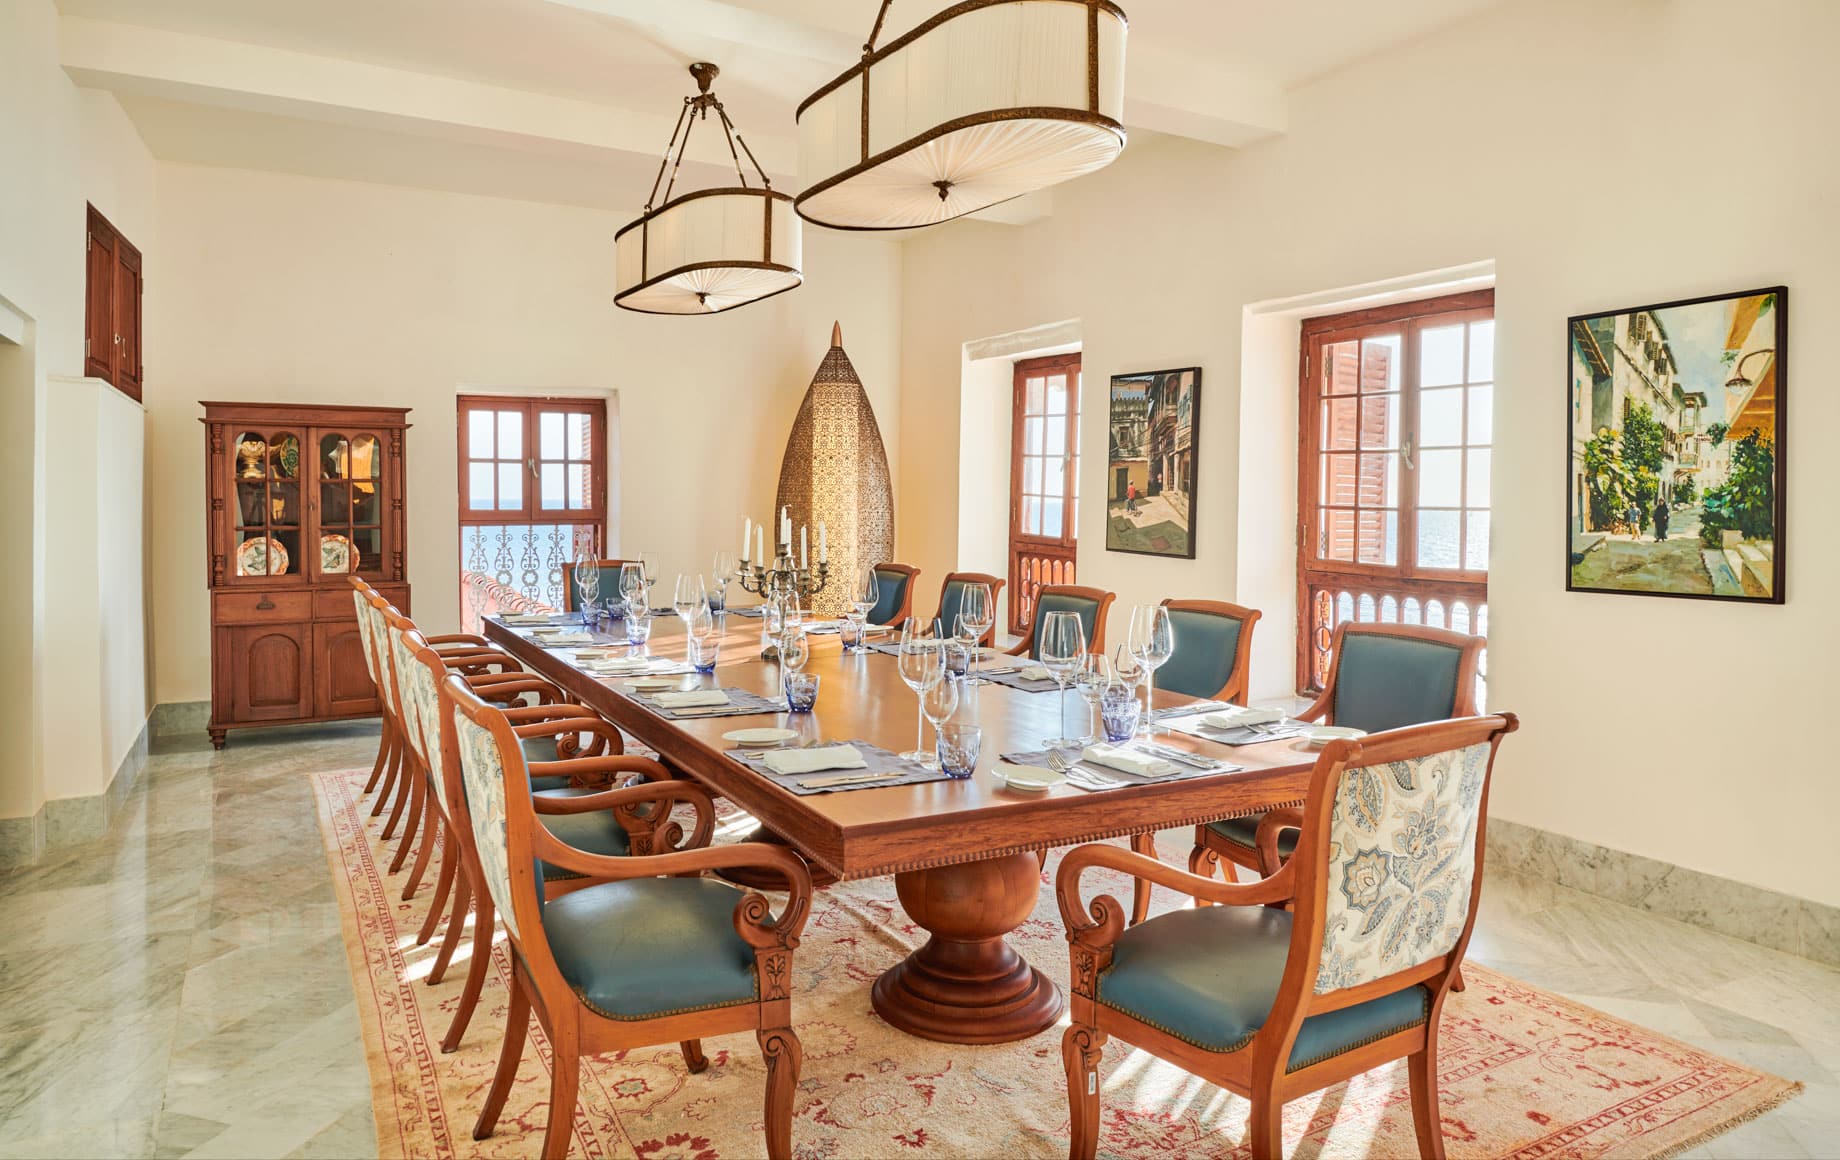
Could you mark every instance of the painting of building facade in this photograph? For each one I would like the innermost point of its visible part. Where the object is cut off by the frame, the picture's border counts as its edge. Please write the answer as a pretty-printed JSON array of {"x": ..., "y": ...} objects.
[
  {"x": 1150, "y": 476},
  {"x": 1676, "y": 448}
]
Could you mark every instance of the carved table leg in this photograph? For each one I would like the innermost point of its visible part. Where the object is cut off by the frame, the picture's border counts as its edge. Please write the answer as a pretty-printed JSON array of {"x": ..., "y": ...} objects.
[
  {"x": 760, "y": 878},
  {"x": 967, "y": 985}
]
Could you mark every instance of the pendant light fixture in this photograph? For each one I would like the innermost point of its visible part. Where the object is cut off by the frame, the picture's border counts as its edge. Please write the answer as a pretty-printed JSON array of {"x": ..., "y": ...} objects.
[
  {"x": 713, "y": 249},
  {"x": 988, "y": 100}
]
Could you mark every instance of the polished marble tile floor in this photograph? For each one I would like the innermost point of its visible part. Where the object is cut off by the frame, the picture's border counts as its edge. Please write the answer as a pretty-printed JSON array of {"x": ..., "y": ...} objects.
[{"x": 178, "y": 988}]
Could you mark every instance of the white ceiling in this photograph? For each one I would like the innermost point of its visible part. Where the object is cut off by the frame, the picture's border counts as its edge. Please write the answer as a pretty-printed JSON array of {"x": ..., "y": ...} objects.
[{"x": 581, "y": 94}]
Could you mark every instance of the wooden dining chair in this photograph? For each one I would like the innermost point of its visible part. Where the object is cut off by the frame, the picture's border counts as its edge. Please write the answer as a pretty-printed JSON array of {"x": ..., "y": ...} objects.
[
  {"x": 894, "y": 593},
  {"x": 609, "y": 832},
  {"x": 610, "y": 580},
  {"x": 1091, "y": 604},
  {"x": 1381, "y": 676},
  {"x": 952, "y": 595},
  {"x": 647, "y": 951},
  {"x": 1212, "y": 659},
  {"x": 1337, "y": 963}
]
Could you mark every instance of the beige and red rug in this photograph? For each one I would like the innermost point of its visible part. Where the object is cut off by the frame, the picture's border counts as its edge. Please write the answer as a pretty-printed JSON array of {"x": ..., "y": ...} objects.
[{"x": 1524, "y": 1072}]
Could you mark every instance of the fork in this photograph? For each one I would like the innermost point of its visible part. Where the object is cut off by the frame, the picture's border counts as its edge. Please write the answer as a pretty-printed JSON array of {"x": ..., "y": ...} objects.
[{"x": 1080, "y": 773}]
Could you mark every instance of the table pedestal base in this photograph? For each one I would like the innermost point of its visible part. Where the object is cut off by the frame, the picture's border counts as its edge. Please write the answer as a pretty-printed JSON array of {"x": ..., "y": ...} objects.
[
  {"x": 760, "y": 878},
  {"x": 967, "y": 985}
]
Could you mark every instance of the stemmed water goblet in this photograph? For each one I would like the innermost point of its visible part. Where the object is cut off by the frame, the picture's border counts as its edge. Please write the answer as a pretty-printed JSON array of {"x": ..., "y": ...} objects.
[
  {"x": 938, "y": 703},
  {"x": 1093, "y": 679},
  {"x": 1062, "y": 643},
  {"x": 632, "y": 584},
  {"x": 588, "y": 590},
  {"x": 867, "y": 590},
  {"x": 688, "y": 596},
  {"x": 727, "y": 568},
  {"x": 1151, "y": 640},
  {"x": 921, "y": 668},
  {"x": 977, "y": 610}
]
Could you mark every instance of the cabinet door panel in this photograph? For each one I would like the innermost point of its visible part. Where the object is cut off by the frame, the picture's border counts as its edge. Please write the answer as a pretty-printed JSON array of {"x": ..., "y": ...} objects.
[
  {"x": 343, "y": 685},
  {"x": 271, "y": 671},
  {"x": 99, "y": 301},
  {"x": 128, "y": 319}
]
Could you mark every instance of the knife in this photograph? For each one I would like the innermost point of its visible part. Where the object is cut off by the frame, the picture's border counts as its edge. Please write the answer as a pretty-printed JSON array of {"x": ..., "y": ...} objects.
[{"x": 851, "y": 779}]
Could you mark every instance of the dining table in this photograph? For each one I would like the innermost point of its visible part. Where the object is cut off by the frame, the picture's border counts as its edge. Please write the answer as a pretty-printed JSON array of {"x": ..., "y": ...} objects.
[{"x": 965, "y": 854}]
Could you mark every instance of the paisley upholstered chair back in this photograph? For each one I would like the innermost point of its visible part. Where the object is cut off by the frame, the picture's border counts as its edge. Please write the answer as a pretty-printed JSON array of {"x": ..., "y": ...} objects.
[
  {"x": 421, "y": 698},
  {"x": 364, "y": 632},
  {"x": 482, "y": 775},
  {"x": 1402, "y": 857},
  {"x": 400, "y": 660}
]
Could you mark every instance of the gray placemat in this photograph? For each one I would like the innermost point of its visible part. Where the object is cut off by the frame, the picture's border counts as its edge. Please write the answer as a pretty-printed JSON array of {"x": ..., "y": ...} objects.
[
  {"x": 1088, "y": 775},
  {"x": 1190, "y": 709},
  {"x": 877, "y": 759},
  {"x": 1242, "y": 735},
  {"x": 1018, "y": 681},
  {"x": 742, "y": 703}
]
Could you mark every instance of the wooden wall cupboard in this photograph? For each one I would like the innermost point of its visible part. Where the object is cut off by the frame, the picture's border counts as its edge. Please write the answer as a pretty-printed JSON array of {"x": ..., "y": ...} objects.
[
  {"x": 112, "y": 308},
  {"x": 296, "y": 499}
]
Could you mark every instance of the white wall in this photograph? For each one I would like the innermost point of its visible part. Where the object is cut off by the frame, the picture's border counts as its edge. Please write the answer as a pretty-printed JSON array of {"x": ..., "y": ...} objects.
[
  {"x": 299, "y": 289},
  {"x": 1604, "y": 156},
  {"x": 74, "y": 694}
]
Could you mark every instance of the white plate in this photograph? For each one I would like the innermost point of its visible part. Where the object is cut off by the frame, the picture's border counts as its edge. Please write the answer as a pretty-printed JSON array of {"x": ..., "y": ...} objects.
[
  {"x": 758, "y": 736},
  {"x": 1318, "y": 736},
  {"x": 654, "y": 682},
  {"x": 1027, "y": 778}
]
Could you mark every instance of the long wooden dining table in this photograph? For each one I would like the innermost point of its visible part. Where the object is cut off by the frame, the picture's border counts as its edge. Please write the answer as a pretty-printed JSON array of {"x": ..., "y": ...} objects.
[{"x": 964, "y": 853}]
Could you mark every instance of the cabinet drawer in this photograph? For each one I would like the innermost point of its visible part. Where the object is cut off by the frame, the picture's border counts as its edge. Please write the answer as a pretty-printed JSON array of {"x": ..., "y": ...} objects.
[
  {"x": 336, "y": 604},
  {"x": 263, "y": 607}
]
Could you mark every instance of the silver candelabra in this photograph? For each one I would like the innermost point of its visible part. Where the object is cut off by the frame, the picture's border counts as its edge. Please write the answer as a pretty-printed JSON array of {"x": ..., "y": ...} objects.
[{"x": 784, "y": 586}]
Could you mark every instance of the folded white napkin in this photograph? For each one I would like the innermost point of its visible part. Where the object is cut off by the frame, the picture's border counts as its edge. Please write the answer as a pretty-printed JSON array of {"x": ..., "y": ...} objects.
[
  {"x": 559, "y": 639},
  {"x": 693, "y": 699},
  {"x": 525, "y": 617},
  {"x": 813, "y": 760},
  {"x": 1035, "y": 673},
  {"x": 1237, "y": 718},
  {"x": 1120, "y": 757},
  {"x": 636, "y": 664}
]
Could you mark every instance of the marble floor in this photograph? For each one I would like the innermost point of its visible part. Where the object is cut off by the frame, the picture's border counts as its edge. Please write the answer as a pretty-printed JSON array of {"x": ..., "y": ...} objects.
[{"x": 179, "y": 988}]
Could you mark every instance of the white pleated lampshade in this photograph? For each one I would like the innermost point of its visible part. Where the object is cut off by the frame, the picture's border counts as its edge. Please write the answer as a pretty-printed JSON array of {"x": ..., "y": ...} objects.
[
  {"x": 708, "y": 251},
  {"x": 988, "y": 100}
]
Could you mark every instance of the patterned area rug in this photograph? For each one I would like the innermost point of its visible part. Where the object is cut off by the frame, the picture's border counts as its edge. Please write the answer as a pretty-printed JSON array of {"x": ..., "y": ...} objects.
[{"x": 1524, "y": 1072}]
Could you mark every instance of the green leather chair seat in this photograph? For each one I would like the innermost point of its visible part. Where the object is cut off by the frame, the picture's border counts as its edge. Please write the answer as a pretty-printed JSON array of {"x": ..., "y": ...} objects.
[
  {"x": 1058, "y": 602},
  {"x": 1209, "y": 976},
  {"x": 1387, "y": 682},
  {"x": 543, "y": 749},
  {"x": 1245, "y": 832},
  {"x": 890, "y": 591},
  {"x": 951, "y": 599},
  {"x": 1203, "y": 658},
  {"x": 596, "y": 831},
  {"x": 651, "y": 946}
]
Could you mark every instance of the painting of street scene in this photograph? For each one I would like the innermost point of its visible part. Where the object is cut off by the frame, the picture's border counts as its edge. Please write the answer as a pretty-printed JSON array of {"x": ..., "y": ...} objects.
[
  {"x": 1150, "y": 481},
  {"x": 1676, "y": 475}
]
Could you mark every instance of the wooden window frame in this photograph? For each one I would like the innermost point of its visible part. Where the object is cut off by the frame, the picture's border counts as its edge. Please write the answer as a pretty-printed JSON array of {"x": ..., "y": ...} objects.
[
  {"x": 531, "y": 512},
  {"x": 1033, "y": 559},
  {"x": 1406, "y": 578}
]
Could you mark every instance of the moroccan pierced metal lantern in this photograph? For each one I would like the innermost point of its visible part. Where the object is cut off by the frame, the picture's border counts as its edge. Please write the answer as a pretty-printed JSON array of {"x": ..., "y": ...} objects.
[
  {"x": 713, "y": 249},
  {"x": 986, "y": 101},
  {"x": 836, "y": 471}
]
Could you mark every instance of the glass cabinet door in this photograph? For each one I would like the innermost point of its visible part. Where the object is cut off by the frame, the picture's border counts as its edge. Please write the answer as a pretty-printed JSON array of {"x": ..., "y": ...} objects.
[
  {"x": 350, "y": 470},
  {"x": 265, "y": 465}
]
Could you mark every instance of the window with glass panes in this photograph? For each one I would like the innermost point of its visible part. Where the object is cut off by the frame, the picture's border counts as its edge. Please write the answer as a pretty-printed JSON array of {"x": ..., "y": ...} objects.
[
  {"x": 1044, "y": 480},
  {"x": 533, "y": 495},
  {"x": 1393, "y": 466}
]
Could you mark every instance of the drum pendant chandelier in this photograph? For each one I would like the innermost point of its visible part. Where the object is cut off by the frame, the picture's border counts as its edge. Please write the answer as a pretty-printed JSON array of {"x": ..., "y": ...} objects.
[
  {"x": 714, "y": 249},
  {"x": 986, "y": 101}
]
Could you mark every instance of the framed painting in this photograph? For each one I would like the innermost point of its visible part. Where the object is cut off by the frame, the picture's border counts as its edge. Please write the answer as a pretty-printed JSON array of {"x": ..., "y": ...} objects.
[
  {"x": 1154, "y": 419},
  {"x": 1674, "y": 446}
]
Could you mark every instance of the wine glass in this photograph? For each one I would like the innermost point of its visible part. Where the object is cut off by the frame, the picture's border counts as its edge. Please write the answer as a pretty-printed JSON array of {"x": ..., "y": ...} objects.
[
  {"x": 648, "y": 567},
  {"x": 1093, "y": 679},
  {"x": 867, "y": 591},
  {"x": 588, "y": 588},
  {"x": 938, "y": 703},
  {"x": 727, "y": 567},
  {"x": 1152, "y": 639},
  {"x": 632, "y": 583},
  {"x": 689, "y": 595},
  {"x": 704, "y": 645},
  {"x": 1062, "y": 642},
  {"x": 921, "y": 669},
  {"x": 977, "y": 609},
  {"x": 638, "y": 619}
]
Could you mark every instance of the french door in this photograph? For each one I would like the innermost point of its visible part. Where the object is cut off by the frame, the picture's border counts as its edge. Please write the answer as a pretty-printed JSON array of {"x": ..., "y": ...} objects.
[
  {"x": 1394, "y": 450},
  {"x": 1044, "y": 489},
  {"x": 533, "y": 496}
]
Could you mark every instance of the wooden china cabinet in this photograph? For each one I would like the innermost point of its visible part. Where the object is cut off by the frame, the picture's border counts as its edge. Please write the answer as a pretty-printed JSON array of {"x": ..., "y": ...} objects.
[{"x": 296, "y": 498}]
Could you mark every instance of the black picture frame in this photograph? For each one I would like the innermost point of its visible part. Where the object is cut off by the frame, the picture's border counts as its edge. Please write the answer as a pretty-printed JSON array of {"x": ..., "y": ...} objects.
[
  {"x": 1168, "y": 464},
  {"x": 1589, "y": 528}
]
